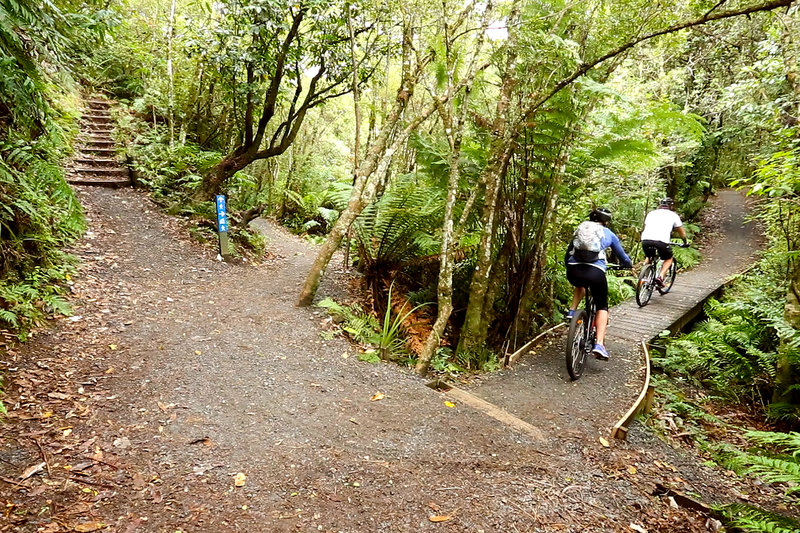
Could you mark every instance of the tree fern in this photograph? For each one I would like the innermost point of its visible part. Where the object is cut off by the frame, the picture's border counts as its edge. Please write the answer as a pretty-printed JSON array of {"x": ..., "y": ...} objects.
[{"x": 399, "y": 227}]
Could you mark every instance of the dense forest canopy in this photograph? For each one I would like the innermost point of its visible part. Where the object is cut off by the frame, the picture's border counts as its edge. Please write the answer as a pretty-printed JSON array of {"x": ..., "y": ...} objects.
[{"x": 448, "y": 148}]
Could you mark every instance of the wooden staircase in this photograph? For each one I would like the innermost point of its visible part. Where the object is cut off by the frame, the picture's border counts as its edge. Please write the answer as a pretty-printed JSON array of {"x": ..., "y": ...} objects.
[{"x": 95, "y": 162}]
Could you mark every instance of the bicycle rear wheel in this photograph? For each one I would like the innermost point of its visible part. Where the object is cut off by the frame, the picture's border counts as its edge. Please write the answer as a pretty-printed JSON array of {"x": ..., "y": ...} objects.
[
  {"x": 576, "y": 344},
  {"x": 644, "y": 286},
  {"x": 669, "y": 279}
]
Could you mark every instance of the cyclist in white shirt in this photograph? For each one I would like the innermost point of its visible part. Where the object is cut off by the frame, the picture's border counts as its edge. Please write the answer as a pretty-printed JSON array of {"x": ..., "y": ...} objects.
[{"x": 658, "y": 227}]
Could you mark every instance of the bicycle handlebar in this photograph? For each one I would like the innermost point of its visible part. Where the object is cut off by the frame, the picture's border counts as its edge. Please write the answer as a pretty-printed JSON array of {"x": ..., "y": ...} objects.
[{"x": 686, "y": 244}]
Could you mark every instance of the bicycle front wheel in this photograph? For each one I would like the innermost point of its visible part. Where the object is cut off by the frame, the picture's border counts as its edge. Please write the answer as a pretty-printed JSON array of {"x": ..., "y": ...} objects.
[
  {"x": 669, "y": 279},
  {"x": 577, "y": 340},
  {"x": 644, "y": 286}
]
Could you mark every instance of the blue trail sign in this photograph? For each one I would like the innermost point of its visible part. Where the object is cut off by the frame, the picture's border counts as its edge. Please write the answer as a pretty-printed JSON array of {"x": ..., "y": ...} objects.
[{"x": 222, "y": 226}]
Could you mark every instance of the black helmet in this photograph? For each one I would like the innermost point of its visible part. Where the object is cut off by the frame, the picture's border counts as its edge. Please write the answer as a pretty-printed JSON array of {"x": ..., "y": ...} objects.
[
  {"x": 666, "y": 202},
  {"x": 600, "y": 214}
]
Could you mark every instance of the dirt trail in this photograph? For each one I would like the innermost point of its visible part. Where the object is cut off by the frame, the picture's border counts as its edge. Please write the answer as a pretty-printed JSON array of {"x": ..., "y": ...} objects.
[{"x": 178, "y": 372}]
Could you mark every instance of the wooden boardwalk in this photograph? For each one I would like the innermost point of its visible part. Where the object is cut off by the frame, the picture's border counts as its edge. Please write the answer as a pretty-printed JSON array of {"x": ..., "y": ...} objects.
[{"x": 671, "y": 311}]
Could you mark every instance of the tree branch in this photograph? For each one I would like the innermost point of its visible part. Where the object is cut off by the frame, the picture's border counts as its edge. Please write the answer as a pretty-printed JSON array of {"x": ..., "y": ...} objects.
[
  {"x": 271, "y": 97},
  {"x": 708, "y": 17}
]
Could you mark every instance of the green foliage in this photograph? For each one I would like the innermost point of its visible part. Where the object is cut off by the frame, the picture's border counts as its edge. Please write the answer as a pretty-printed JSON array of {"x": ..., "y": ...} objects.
[
  {"x": 316, "y": 211},
  {"x": 353, "y": 320},
  {"x": 33, "y": 34},
  {"x": 38, "y": 215},
  {"x": 478, "y": 360},
  {"x": 620, "y": 288},
  {"x": 369, "y": 356},
  {"x": 734, "y": 351},
  {"x": 443, "y": 362},
  {"x": 366, "y": 329},
  {"x": 390, "y": 343},
  {"x": 742, "y": 517},
  {"x": 400, "y": 226},
  {"x": 171, "y": 174}
]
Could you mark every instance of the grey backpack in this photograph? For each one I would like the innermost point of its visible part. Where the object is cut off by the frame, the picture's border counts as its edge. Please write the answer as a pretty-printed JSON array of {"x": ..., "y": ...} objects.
[{"x": 587, "y": 242}]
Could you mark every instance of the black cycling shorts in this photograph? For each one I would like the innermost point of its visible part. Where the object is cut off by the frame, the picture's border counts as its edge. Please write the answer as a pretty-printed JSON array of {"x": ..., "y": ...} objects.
[
  {"x": 664, "y": 249},
  {"x": 582, "y": 275}
]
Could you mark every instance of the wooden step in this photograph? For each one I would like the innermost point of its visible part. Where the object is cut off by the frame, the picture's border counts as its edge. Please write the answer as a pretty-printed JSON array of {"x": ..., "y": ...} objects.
[
  {"x": 98, "y": 132},
  {"x": 95, "y": 123},
  {"x": 99, "y": 181},
  {"x": 89, "y": 150},
  {"x": 96, "y": 161},
  {"x": 98, "y": 143},
  {"x": 116, "y": 172},
  {"x": 98, "y": 118}
]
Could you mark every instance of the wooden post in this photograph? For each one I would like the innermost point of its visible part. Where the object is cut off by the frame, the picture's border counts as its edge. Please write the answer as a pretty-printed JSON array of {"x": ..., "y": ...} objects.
[{"x": 222, "y": 227}]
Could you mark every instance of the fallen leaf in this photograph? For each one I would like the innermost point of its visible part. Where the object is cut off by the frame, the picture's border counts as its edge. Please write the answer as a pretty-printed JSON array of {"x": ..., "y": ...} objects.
[
  {"x": 439, "y": 518},
  {"x": 604, "y": 442},
  {"x": 31, "y": 470},
  {"x": 122, "y": 442},
  {"x": 377, "y": 396},
  {"x": 89, "y": 526},
  {"x": 631, "y": 469},
  {"x": 138, "y": 481},
  {"x": 638, "y": 528},
  {"x": 58, "y": 396},
  {"x": 112, "y": 346},
  {"x": 239, "y": 479},
  {"x": 197, "y": 352},
  {"x": 449, "y": 404}
]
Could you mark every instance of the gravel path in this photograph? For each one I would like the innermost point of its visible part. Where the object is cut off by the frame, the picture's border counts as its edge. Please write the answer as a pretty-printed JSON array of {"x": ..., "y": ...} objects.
[{"x": 180, "y": 375}]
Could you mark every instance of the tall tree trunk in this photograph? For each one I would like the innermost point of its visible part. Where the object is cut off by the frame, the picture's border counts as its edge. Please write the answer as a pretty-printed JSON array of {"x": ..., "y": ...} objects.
[
  {"x": 454, "y": 130},
  {"x": 170, "y": 75},
  {"x": 473, "y": 332},
  {"x": 377, "y": 160},
  {"x": 378, "y": 155},
  {"x": 356, "y": 92}
]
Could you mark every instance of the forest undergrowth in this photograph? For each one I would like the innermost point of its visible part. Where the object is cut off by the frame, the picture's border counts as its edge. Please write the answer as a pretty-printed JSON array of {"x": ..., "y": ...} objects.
[{"x": 716, "y": 391}]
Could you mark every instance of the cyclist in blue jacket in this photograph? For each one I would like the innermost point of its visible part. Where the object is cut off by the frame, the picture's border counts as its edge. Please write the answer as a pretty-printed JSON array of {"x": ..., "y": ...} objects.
[{"x": 592, "y": 274}]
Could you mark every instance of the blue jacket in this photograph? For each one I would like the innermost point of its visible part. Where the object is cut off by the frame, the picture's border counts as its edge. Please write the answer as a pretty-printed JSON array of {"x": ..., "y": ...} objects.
[{"x": 610, "y": 240}]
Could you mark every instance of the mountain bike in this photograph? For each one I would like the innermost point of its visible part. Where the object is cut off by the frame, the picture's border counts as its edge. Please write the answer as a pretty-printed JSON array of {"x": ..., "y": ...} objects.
[
  {"x": 582, "y": 334},
  {"x": 581, "y": 337},
  {"x": 646, "y": 283}
]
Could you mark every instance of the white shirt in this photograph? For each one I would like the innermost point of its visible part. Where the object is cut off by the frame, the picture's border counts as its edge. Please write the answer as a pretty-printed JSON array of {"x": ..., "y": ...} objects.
[{"x": 658, "y": 225}]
